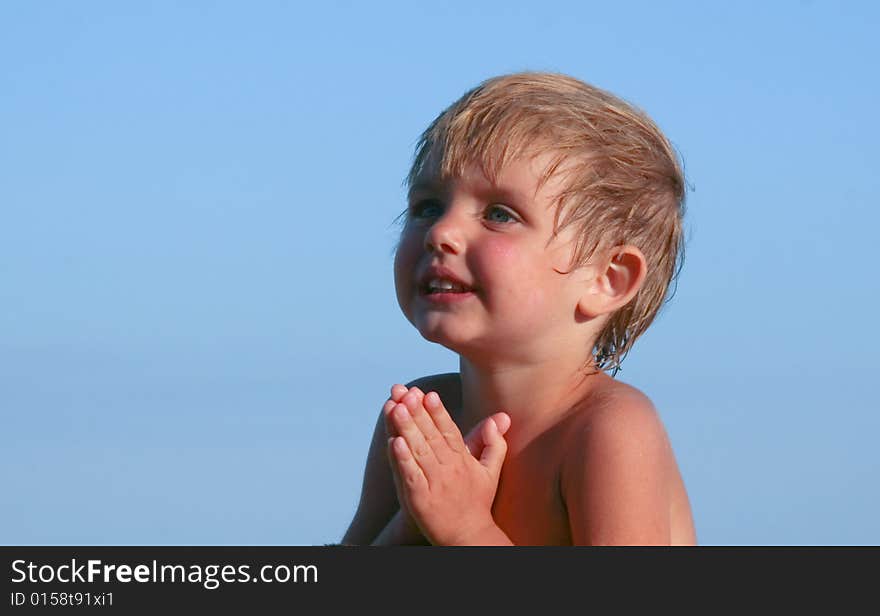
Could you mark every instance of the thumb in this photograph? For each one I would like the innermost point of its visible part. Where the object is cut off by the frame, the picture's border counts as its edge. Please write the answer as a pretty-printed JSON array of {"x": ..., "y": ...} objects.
[
  {"x": 495, "y": 446},
  {"x": 475, "y": 441},
  {"x": 502, "y": 420}
]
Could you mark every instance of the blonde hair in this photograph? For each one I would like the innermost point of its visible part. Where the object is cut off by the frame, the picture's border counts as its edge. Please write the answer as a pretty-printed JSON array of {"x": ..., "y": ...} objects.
[{"x": 623, "y": 180}]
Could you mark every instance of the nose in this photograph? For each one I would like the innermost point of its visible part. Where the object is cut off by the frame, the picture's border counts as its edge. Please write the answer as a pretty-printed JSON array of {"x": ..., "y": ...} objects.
[{"x": 445, "y": 235}]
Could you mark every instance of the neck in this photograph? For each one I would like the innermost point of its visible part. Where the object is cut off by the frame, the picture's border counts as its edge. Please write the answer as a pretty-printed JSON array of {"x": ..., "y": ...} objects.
[{"x": 534, "y": 394}]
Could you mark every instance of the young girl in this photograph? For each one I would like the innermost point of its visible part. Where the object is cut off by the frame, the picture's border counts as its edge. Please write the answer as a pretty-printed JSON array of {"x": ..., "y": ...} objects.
[{"x": 542, "y": 234}]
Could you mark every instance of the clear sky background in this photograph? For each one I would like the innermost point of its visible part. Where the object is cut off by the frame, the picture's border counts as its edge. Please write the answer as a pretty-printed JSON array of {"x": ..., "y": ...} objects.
[{"x": 197, "y": 316}]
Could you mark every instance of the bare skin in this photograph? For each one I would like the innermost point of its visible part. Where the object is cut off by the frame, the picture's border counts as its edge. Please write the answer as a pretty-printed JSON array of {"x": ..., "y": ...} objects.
[
  {"x": 598, "y": 489},
  {"x": 380, "y": 520},
  {"x": 481, "y": 270}
]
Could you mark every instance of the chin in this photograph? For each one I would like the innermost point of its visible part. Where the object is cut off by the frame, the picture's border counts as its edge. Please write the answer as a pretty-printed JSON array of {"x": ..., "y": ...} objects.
[
  {"x": 458, "y": 341},
  {"x": 438, "y": 336},
  {"x": 442, "y": 334}
]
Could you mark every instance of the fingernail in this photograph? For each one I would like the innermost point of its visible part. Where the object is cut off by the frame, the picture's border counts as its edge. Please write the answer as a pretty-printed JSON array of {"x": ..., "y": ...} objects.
[{"x": 402, "y": 411}]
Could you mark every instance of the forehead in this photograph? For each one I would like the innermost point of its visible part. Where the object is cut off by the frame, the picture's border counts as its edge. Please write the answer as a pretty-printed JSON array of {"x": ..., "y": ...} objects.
[{"x": 537, "y": 175}]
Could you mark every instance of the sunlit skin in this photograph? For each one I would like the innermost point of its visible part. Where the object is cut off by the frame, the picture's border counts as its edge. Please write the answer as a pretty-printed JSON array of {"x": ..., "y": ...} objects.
[
  {"x": 556, "y": 452},
  {"x": 498, "y": 237}
]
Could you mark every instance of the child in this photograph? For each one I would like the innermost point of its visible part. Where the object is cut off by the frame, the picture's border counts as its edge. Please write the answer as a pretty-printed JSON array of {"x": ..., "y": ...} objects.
[{"x": 543, "y": 231}]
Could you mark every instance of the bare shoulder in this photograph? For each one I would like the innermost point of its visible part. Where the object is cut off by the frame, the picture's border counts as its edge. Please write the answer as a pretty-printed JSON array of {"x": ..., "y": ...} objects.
[
  {"x": 619, "y": 477},
  {"x": 617, "y": 410},
  {"x": 618, "y": 426},
  {"x": 447, "y": 385},
  {"x": 378, "y": 501},
  {"x": 432, "y": 381}
]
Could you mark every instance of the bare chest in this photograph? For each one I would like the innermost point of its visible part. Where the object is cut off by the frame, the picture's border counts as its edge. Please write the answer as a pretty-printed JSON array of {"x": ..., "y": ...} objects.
[{"x": 528, "y": 504}]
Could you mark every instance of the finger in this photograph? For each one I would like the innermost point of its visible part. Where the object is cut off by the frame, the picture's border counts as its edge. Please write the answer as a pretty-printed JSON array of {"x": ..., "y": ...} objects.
[
  {"x": 420, "y": 449},
  {"x": 495, "y": 448},
  {"x": 395, "y": 470},
  {"x": 406, "y": 473},
  {"x": 398, "y": 391},
  {"x": 502, "y": 420},
  {"x": 418, "y": 393},
  {"x": 390, "y": 430},
  {"x": 444, "y": 424},
  {"x": 474, "y": 439},
  {"x": 414, "y": 401}
]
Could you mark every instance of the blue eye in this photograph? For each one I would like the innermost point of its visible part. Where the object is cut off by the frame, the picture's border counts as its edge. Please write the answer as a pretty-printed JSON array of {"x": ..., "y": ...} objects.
[
  {"x": 498, "y": 214},
  {"x": 426, "y": 208}
]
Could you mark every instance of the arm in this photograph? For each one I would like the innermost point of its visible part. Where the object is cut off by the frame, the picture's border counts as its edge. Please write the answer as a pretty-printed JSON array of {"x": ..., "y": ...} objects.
[
  {"x": 378, "y": 519},
  {"x": 616, "y": 476},
  {"x": 440, "y": 481}
]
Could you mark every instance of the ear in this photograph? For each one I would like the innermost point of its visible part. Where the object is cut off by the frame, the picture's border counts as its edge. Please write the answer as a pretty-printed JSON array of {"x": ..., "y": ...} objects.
[{"x": 615, "y": 281}]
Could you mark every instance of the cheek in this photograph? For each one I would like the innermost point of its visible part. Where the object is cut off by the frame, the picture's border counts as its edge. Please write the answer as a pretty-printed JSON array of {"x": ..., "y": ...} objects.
[
  {"x": 511, "y": 263},
  {"x": 503, "y": 255},
  {"x": 400, "y": 269},
  {"x": 516, "y": 273},
  {"x": 405, "y": 255},
  {"x": 405, "y": 260}
]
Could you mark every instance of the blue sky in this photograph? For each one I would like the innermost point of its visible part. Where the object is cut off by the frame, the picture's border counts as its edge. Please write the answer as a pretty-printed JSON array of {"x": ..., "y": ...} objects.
[{"x": 197, "y": 316}]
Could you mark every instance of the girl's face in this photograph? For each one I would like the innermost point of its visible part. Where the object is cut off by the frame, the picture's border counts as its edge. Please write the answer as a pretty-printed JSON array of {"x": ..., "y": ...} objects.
[{"x": 478, "y": 268}]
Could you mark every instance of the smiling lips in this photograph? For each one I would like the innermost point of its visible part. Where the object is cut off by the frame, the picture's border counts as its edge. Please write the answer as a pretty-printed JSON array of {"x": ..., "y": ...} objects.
[{"x": 439, "y": 283}]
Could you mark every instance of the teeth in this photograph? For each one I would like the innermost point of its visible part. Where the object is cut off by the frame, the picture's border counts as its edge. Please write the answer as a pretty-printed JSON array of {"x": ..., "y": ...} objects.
[{"x": 438, "y": 284}]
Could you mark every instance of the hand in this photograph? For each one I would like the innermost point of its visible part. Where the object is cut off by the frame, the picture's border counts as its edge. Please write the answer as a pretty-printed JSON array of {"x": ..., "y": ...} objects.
[
  {"x": 446, "y": 489},
  {"x": 402, "y": 529},
  {"x": 474, "y": 439}
]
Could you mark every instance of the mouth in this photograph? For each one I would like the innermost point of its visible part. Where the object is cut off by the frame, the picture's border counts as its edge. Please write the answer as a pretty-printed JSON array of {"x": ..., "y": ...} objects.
[
  {"x": 444, "y": 286},
  {"x": 440, "y": 285}
]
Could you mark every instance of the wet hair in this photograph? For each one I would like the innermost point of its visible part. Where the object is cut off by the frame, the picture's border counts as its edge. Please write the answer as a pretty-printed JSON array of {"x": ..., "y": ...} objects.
[{"x": 623, "y": 181}]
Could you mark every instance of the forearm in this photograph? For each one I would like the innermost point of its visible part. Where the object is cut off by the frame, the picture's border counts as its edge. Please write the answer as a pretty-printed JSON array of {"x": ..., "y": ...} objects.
[
  {"x": 400, "y": 530},
  {"x": 491, "y": 534}
]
